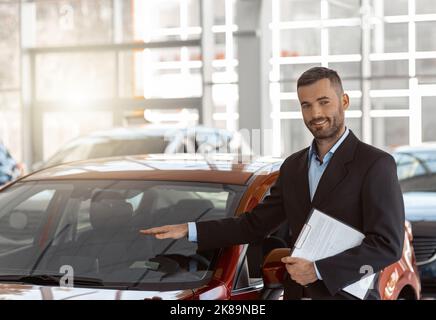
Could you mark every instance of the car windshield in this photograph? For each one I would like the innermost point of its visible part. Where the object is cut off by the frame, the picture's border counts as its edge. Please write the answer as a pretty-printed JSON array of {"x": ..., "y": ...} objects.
[
  {"x": 92, "y": 228},
  {"x": 417, "y": 170},
  {"x": 104, "y": 147}
]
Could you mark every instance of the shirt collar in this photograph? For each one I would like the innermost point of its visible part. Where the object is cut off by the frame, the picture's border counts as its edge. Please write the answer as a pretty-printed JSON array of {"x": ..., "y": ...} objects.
[{"x": 313, "y": 151}]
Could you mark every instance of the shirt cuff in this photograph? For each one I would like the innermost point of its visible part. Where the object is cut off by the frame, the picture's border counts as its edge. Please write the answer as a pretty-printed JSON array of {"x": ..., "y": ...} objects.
[
  {"x": 317, "y": 272},
  {"x": 192, "y": 232}
]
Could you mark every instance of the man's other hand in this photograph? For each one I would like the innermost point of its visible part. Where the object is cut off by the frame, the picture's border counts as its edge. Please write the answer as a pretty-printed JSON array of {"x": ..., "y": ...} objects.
[
  {"x": 301, "y": 271},
  {"x": 175, "y": 231}
]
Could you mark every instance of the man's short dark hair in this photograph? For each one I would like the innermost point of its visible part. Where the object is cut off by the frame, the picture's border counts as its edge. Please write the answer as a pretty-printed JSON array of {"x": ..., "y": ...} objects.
[{"x": 317, "y": 73}]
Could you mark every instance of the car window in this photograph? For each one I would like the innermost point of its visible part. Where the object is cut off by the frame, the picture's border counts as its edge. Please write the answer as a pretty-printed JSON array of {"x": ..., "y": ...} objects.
[
  {"x": 20, "y": 221},
  {"x": 416, "y": 170},
  {"x": 135, "y": 201},
  {"x": 219, "y": 199},
  {"x": 94, "y": 229},
  {"x": 409, "y": 166},
  {"x": 169, "y": 196},
  {"x": 429, "y": 159},
  {"x": 209, "y": 141}
]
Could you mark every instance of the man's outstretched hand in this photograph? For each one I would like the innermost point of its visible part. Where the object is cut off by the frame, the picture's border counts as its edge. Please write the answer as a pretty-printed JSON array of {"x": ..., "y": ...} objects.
[{"x": 174, "y": 231}]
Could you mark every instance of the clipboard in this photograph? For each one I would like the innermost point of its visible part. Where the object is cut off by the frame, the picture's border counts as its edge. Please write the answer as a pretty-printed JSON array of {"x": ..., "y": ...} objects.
[{"x": 324, "y": 236}]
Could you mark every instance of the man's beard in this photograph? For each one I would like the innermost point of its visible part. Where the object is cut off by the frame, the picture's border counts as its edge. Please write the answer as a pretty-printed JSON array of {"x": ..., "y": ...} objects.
[{"x": 328, "y": 131}]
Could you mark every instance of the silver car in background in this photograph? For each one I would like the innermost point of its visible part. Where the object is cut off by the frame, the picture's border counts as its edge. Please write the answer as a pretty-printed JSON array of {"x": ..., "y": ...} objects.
[{"x": 147, "y": 140}]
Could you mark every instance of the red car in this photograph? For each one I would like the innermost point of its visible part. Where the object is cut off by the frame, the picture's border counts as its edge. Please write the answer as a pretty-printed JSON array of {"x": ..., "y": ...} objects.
[{"x": 72, "y": 232}]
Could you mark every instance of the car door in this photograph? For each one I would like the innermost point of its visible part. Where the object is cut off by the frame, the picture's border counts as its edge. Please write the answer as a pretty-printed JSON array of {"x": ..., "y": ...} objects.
[{"x": 248, "y": 282}]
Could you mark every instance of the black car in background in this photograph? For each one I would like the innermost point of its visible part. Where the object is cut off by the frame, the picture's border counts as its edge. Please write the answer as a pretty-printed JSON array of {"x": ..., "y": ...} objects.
[{"x": 416, "y": 167}]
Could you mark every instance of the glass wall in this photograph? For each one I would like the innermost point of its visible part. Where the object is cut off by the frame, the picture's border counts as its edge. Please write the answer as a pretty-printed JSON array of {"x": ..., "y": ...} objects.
[
  {"x": 70, "y": 84},
  {"x": 402, "y": 57},
  {"x": 91, "y": 79},
  {"x": 10, "y": 120},
  {"x": 172, "y": 73}
]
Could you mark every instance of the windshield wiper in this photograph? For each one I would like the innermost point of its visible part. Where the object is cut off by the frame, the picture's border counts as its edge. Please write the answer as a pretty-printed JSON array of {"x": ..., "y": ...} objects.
[{"x": 47, "y": 279}]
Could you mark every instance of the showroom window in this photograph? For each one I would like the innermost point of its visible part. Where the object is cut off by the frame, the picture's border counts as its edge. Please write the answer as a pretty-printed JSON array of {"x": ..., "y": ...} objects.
[
  {"x": 163, "y": 73},
  {"x": 398, "y": 89},
  {"x": 10, "y": 120},
  {"x": 92, "y": 56}
]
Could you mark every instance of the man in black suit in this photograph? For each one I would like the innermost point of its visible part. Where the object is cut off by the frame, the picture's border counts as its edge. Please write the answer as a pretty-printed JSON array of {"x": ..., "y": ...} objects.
[{"x": 339, "y": 175}]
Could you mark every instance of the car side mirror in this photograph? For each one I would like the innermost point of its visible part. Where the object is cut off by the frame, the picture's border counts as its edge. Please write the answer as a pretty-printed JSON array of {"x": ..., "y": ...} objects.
[{"x": 273, "y": 269}]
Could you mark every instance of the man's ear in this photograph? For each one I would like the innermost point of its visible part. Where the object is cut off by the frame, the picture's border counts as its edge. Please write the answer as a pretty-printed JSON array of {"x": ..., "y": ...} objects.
[{"x": 345, "y": 100}]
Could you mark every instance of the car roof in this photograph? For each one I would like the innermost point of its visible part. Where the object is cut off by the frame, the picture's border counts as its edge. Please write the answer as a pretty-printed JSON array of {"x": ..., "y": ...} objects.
[
  {"x": 429, "y": 146},
  {"x": 215, "y": 168}
]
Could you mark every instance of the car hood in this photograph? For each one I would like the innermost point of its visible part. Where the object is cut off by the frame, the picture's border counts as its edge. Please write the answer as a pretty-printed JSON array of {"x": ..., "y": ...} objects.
[
  {"x": 420, "y": 206},
  {"x": 14, "y": 291}
]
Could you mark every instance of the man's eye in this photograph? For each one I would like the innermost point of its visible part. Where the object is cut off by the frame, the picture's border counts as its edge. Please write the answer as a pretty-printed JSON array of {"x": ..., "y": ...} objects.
[{"x": 324, "y": 102}]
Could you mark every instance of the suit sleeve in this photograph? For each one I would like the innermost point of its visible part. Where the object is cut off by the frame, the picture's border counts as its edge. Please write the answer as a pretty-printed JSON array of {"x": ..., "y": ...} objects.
[
  {"x": 246, "y": 228},
  {"x": 383, "y": 224}
]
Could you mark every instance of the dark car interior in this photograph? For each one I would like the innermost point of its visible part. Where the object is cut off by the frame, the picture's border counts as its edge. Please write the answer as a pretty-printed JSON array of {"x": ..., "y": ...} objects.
[
  {"x": 111, "y": 247},
  {"x": 114, "y": 221},
  {"x": 99, "y": 238}
]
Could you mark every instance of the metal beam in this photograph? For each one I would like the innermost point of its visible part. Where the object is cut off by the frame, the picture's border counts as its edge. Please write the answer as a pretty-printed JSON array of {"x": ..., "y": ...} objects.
[
  {"x": 117, "y": 21},
  {"x": 207, "y": 54},
  {"x": 31, "y": 131},
  {"x": 366, "y": 72},
  {"x": 415, "y": 99},
  {"x": 126, "y": 104},
  {"x": 249, "y": 68},
  {"x": 117, "y": 37},
  {"x": 115, "y": 47},
  {"x": 265, "y": 69}
]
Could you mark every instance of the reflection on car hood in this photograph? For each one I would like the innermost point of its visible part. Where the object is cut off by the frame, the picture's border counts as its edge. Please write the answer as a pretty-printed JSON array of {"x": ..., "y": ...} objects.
[
  {"x": 420, "y": 206},
  {"x": 14, "y": 291}
]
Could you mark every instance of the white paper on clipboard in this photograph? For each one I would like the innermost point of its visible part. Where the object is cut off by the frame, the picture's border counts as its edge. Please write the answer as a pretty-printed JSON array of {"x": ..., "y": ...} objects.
[{"x": 323, "y": 237}]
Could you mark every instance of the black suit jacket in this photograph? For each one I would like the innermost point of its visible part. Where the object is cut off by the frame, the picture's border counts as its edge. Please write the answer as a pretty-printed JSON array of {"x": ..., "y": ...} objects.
[{"x": 359, "y": 187}]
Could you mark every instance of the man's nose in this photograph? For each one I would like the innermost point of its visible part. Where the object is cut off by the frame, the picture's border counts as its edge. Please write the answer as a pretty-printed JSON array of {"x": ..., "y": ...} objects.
[{"x": 317, "y": 111}]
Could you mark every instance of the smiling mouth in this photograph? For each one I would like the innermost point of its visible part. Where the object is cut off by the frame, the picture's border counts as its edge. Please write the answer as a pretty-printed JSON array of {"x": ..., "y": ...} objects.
[{"x": 319, "y": 123}]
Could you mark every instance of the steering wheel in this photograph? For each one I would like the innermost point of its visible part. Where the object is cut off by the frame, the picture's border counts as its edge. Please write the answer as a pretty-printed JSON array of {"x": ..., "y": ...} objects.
[
  {"x": 171, "y": 263},
  {"x": 203, "y": 261}
]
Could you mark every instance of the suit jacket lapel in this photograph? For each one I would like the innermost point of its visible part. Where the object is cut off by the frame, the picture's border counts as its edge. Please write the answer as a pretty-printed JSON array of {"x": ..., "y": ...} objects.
[
  {"x": 336, "y": 170},
  {"x": 301, "y": 185}
]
